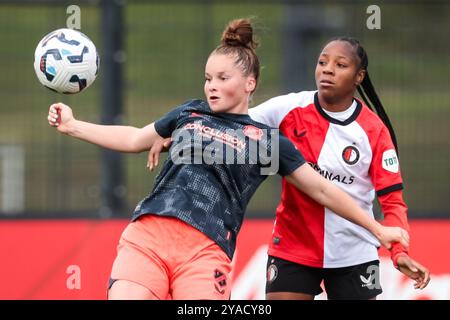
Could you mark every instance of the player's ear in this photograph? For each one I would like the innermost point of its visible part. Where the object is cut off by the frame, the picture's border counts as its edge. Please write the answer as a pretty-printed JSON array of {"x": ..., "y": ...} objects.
[
  {"x": 360, "y": 76},
  {"x": 250, "y": 84}
]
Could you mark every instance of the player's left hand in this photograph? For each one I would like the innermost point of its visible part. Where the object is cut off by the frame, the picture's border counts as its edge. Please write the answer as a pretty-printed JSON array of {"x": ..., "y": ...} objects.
[
  {"x": 159, "y": 145},
  {"x": 388, "y": 235},
  {"x": 414, "y": 270}
]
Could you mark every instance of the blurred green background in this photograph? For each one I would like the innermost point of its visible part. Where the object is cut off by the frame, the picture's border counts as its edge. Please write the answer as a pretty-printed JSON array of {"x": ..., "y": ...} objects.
[{"x": 166, "y": 48}]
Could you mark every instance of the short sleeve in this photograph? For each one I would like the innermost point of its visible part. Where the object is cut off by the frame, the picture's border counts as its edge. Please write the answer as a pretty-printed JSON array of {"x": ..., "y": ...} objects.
[
  {"x": 290, "y": 157},
  {"x": 273, "y": 111},
  {"x": 168, "y": 123},
  {"x": 385, "y": 166}
]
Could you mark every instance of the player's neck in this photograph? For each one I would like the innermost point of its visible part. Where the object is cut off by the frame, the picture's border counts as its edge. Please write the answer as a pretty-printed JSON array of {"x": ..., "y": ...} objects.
[
  {"x": 241, "y": 108},
  {"x": 336, "y": 105}
]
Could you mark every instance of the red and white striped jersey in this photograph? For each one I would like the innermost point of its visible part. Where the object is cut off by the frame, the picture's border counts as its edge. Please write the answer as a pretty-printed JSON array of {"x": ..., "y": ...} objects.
[{"x": 355, "y": 153}]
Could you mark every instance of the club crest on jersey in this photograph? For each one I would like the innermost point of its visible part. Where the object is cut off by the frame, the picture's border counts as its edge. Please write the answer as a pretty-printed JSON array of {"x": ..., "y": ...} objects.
[
  {"x": 390, "y": 161},
  {"x": 253, "y": 132},
  {"x": 350, "y": 155}
]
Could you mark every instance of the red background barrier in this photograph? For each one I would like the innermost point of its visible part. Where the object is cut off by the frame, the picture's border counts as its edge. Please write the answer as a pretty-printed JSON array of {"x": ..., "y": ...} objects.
[{"x": 71, "y": 259}]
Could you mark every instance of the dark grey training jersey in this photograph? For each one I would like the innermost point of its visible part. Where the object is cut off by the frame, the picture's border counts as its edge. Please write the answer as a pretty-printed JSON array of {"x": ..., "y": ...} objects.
[{"x": 216, "y": 162}]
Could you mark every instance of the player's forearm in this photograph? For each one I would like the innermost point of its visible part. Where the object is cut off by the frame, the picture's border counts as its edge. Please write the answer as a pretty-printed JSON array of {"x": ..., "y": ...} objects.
[
  {"x": 394, "y": 210},
  {"x": 343, "y": 205},
  {"x": 118, "y": 138},
  {"x": 327, "y": 194},
  {"x": 395, "y": 214}
]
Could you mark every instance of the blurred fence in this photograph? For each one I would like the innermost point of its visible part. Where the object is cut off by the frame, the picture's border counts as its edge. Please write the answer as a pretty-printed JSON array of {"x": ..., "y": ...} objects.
[{"x": 166, "y": 45}]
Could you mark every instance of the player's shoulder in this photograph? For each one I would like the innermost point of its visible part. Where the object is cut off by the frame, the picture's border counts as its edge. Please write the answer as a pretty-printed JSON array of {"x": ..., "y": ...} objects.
[
  {"x": 368, "y": 119},
  {"x": 304, "y": 97},
  {"x": 265, "y": 130},
  {"x": 192, "y": 105},
  {"x": 296, "y": 99},
  {"x": 195, "y": 103},
  {"x": 274, "y": 110},
  {"x": 255, "y": 121},
  {"x": 259, "y": 125}
]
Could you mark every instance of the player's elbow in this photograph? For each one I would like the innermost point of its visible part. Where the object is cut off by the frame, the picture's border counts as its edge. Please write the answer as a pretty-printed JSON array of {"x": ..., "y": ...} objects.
[
  {"x": 316, "y": 191},
  {"x": 321, "y": 195},
  {"x": 136, "y": 147},
  {"x": 142, "y": 139},
  {"x": 136, "y": 143}
]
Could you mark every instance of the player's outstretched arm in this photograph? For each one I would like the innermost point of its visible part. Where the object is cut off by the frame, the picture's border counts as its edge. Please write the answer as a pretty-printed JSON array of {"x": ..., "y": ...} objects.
[
  {"x": 118, "y": 138},
  {"x": 326, "y": 193}
]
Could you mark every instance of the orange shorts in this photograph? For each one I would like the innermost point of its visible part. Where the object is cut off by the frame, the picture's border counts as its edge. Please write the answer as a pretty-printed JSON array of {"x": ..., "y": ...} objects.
[{"x": 172, "y": 259}]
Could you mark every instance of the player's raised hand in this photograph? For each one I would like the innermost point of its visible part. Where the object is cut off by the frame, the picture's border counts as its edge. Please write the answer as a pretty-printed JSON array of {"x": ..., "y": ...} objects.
[
  {"x": 60, "y": 116},
  {"x": 390, "y": 235}
]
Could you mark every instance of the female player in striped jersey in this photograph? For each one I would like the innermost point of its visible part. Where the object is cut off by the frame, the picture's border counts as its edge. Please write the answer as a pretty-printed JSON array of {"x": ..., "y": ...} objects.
[
  {"x": 346, "y": 142},
  {"x": 182, "y": 236}
]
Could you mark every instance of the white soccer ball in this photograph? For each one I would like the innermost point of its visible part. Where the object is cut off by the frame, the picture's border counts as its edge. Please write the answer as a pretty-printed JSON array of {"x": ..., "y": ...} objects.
[{"x": 66, "y": 61}]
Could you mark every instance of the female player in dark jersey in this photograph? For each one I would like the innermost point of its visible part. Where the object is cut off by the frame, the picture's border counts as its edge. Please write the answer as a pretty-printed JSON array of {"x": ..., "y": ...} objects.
[
  {"x": 355, "y": 148},
  {"x": 182, "y": 236}
]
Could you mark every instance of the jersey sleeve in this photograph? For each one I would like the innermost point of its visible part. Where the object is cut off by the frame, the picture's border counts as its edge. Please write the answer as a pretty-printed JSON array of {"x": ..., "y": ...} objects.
[
  {"x": 290, "y": 157},
  {"x": 385, "y": 166},
  {"x": 168, "y": 123},
  {"x": 272, "y": 112},
  {"x": 395, "y": 215}
]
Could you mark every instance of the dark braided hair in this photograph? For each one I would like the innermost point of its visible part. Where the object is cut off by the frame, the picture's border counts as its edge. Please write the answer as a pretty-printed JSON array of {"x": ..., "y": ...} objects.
[{"x": 366, "y": 89}]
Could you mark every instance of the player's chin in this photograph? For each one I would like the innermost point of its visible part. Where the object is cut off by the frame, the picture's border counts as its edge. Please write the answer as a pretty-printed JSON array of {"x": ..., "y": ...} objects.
[
  {"x": 326, "y": 90},
  {"x": 216, "y": 106}
]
